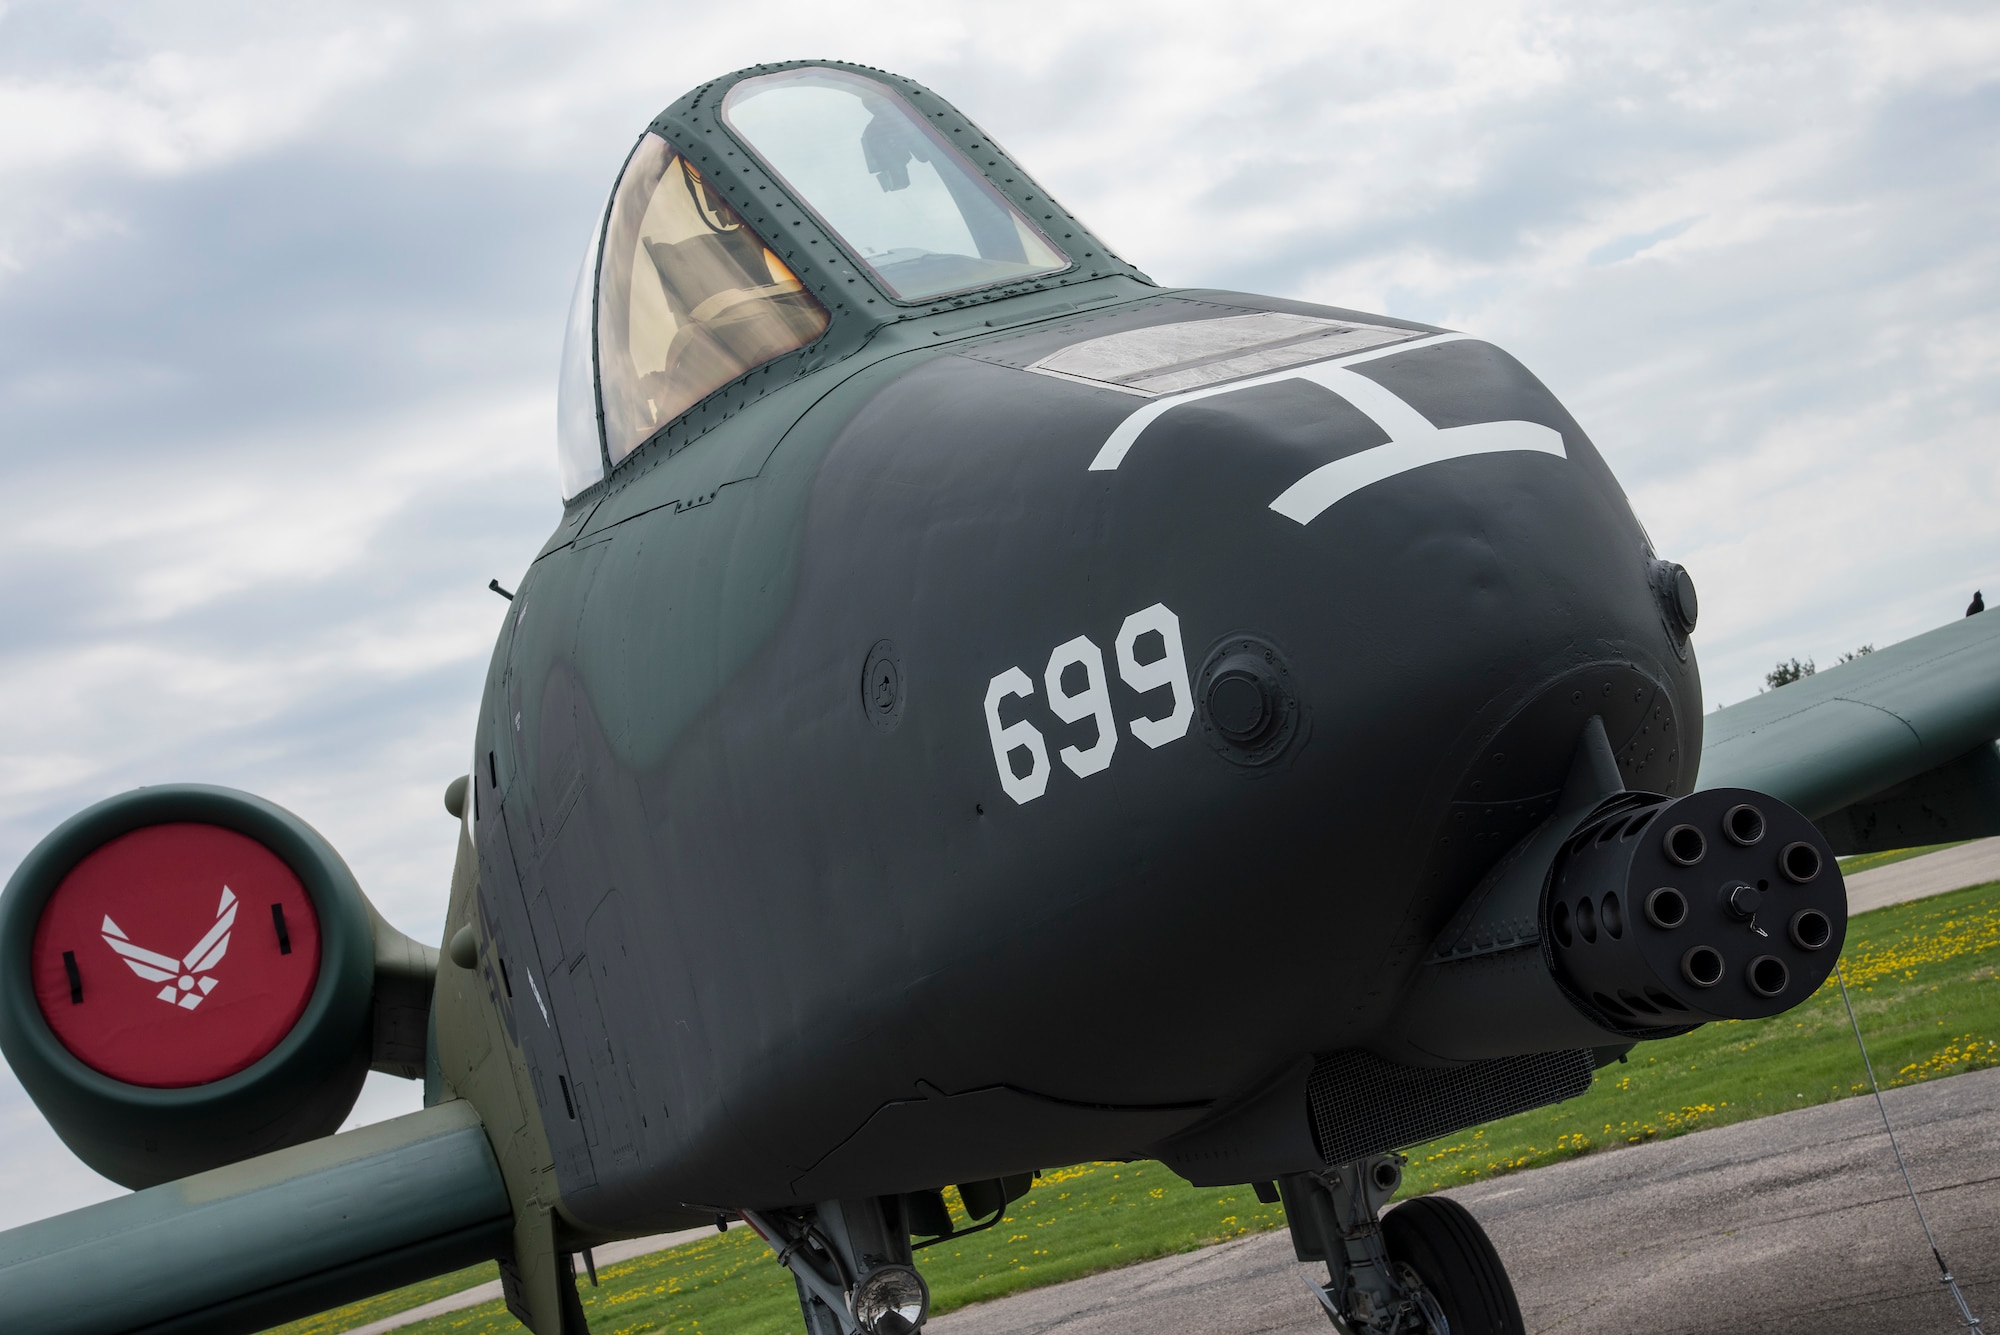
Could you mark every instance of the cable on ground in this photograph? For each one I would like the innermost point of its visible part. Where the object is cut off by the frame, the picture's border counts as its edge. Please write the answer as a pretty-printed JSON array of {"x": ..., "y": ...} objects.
[{"x": 1944, "y": 1271}]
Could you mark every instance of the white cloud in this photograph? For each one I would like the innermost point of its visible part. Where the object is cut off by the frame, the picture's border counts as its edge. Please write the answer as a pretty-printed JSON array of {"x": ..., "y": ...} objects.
[
  {"x": 297, "y": 510},
  {"x": 185, "y": 104}
]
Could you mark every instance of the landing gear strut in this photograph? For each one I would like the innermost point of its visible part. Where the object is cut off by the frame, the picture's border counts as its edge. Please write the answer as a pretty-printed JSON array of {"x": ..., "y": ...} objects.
[
  {"x": 851, "y": 1261},
  {"x": 1427, "y": 1269}
]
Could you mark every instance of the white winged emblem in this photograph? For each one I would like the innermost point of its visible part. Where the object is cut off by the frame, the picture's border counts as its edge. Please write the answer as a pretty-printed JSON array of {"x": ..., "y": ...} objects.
[{"x": 187, "y": 979}]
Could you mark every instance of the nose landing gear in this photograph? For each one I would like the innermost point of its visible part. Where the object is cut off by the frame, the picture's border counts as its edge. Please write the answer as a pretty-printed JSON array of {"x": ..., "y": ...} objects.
[
  {"x": 1427, "y": 1268},
  {"x": 851, "y": 1260}
]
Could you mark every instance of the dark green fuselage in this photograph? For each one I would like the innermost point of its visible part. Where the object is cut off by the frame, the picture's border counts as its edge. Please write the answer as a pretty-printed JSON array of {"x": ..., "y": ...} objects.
[{"x": 787, "y": 953}]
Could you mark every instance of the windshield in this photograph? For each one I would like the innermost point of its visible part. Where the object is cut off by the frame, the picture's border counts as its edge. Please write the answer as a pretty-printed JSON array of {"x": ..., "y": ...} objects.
[
  {"x": 688, "y": 298},
  {"x": 579, "y": 458},
  {"x": 901, "y": 198}
]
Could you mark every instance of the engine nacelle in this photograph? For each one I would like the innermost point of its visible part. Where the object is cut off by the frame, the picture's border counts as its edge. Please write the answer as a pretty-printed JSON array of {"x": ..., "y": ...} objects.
[{"x": 187, "y": 979}]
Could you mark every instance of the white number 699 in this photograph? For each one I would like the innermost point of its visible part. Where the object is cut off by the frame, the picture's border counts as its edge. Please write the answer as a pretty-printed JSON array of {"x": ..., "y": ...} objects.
[{"x": 1093, "y": 701}]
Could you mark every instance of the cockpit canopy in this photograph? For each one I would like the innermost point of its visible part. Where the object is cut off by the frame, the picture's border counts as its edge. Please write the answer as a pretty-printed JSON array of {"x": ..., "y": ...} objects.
[
  {"x": 688, "y": 298},
  {"x": 905, "y": 202},
  {"x": 678, "y": 296}
]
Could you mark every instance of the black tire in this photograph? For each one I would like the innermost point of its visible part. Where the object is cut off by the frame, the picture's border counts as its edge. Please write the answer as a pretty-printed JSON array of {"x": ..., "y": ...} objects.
[{"x": 1444, "y": 1244}]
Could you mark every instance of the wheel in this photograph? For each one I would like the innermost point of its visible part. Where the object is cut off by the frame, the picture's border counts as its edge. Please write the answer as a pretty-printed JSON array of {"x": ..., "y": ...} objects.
[{"x": 1444, "y": 1244}]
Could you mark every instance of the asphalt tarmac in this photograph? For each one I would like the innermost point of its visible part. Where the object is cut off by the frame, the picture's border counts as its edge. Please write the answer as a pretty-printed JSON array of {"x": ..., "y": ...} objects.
[{"x": 1789, "y": 1225}]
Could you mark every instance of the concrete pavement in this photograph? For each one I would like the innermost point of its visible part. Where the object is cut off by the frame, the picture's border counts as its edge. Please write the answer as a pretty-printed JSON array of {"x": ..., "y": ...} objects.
[
  {"x": 609, "y": 1254},
  {"x": 1919, "y": 878},
  {"x": 1790, "y": 1225}
]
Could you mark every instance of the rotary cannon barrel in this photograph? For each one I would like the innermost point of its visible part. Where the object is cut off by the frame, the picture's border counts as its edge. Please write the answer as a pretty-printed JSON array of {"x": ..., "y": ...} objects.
[{"x": 1721, "y": 905}]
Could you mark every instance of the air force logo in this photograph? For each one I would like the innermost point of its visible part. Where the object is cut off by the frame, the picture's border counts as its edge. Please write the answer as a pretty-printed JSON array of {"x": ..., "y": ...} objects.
[{"x": 187, "y": 979}]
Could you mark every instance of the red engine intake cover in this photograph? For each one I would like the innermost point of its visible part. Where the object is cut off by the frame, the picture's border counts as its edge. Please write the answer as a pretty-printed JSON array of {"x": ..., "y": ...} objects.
[{"x": 176, "y": 955}]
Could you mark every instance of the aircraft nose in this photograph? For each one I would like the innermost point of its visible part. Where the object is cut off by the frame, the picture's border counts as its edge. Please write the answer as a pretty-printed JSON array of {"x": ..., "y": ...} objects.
[
  {"x": 1371, "y": 411},
  {"x": 1379, "y": 560},
  {"x": 1405, "y": 438}
]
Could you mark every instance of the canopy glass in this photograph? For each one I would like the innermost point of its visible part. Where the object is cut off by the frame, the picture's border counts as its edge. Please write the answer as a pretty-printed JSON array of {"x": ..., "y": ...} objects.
[
  {"x": 899, "y": 196},
  {"x": 688, "y": 298}
]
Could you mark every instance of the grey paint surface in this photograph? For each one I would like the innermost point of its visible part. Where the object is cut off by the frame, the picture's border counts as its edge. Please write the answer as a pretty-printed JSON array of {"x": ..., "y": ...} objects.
[
  {"x": 1918, "y": 878},
  {"x": 1795, "y": 1223}
]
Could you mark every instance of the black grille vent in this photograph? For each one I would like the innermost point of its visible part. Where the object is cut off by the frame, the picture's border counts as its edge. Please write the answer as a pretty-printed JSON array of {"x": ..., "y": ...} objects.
[{"x": 1363, "y": 1105}]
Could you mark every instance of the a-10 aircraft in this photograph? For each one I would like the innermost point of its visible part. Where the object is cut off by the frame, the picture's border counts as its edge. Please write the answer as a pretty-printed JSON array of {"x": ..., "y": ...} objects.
[{"x": 980, "y": 711}]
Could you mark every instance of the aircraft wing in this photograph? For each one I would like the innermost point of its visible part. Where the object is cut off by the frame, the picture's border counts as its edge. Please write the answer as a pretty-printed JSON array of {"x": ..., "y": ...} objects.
[
  {"x": 240, "y": 1247},
  {"x": 1891, "y": 750}
]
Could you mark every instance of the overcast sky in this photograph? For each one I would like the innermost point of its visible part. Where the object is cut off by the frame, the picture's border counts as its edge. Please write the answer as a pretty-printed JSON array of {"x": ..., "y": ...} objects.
[{"x": 282, "y": 291}]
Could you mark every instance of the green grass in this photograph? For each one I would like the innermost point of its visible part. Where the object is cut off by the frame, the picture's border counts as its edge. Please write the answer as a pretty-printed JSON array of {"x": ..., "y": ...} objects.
[
  {"x": 392, "y": 1302},
  {"x": 1923, "y": 980},
  {"x": 1870, "y": 861},
  {"x": 1924, "y": 983},
  {"x": 1075, "y": 1221}
]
